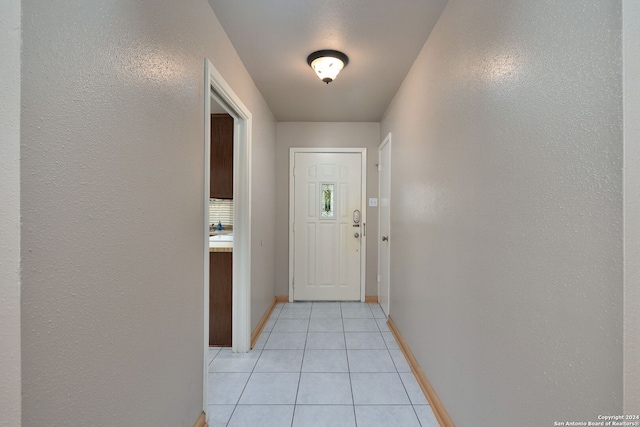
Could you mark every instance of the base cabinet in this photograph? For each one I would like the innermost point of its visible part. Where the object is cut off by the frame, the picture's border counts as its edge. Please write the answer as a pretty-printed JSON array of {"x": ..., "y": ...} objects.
[{"x": 220, "y": 297}]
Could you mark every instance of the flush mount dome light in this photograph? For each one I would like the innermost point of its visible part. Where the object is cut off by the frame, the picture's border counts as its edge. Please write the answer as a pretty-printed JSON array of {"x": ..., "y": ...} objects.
[{"x": 327, "y": 64}]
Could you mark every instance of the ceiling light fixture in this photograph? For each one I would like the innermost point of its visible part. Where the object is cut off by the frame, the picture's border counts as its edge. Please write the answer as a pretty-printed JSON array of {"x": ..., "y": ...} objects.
[{"x": 327, "y": 64}]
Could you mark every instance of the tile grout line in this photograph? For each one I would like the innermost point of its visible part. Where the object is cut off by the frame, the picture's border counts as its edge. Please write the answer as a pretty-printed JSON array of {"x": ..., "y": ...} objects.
[
  {"x": 304, "y": 349},
  {"x": 235, "y": 407},
  {"x": 353, "y": 400},
  {"x": 248, "y": 379},
  {"x": 401, "y": 380}
]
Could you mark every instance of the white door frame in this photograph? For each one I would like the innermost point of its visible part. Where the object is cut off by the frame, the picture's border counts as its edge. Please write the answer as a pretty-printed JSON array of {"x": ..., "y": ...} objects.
[
  {"x": 217, "y": 89},
  {"x": 386, "y": 141},
  {"x": 363, "y": 243}
]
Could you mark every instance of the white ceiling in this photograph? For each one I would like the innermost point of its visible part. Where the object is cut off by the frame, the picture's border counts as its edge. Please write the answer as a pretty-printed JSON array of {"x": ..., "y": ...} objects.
[{"x": 381, "y": 37}]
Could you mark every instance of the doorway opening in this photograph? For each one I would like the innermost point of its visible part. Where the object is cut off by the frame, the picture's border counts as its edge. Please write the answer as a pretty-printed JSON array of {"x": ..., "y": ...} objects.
[{"x": 219, "y": 93}]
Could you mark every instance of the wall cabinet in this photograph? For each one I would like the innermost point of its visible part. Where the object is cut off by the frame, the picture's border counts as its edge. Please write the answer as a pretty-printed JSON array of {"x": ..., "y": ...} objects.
[
  {"x": 220, "y": 298},
  {"x": 221, "y": 156}
]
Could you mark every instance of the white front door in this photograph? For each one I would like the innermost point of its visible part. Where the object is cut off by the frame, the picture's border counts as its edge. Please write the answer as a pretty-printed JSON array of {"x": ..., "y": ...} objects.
[
  {"x": 384, "y": 177},
  {"x": 328, "y": 226}
]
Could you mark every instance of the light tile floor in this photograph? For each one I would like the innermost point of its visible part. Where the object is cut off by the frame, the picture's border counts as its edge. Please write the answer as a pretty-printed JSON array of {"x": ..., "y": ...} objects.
[{"x": 317, "y": 364}]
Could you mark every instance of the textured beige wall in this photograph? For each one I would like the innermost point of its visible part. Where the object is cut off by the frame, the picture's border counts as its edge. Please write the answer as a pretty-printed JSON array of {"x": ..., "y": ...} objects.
[
  {"x": 112, "y": 122},
  {"x": 507, "y": 263},
  {"x": 10, "y": 213},
  {"x": 631, "y": 52},
  {"x": 324, "y": 134},
  {"x": 263, "y": 208}
]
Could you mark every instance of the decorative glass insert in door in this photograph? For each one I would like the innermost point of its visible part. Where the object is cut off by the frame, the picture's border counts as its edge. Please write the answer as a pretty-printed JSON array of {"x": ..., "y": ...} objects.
[{"x": 327, "y": 201}]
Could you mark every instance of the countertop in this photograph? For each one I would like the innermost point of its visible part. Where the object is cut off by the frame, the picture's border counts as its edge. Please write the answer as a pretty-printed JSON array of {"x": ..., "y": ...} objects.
[{"x": 221, "y": 246}]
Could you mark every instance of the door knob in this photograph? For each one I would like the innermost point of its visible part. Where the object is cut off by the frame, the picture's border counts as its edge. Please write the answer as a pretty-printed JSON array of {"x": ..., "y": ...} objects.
[
  {"x": 385, "y": 238},
  {"x": 356, "y": 235}
]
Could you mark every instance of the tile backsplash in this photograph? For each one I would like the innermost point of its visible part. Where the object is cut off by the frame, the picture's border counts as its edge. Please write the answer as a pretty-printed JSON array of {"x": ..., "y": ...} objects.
[{"x": 221, "y": 210}]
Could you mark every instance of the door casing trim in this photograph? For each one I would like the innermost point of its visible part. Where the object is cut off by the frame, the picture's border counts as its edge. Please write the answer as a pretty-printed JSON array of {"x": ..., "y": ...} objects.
[
  {"x": 363, "y": 242},
  {"x": 218, "y": 89},
  {"x": 385, "y": 142}
]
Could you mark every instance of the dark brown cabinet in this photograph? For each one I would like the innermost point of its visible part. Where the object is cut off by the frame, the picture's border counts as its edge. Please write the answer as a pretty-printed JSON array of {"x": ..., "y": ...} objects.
[
  {"x": 220, "y": 298},
  {"x": 221, "y": 156}
]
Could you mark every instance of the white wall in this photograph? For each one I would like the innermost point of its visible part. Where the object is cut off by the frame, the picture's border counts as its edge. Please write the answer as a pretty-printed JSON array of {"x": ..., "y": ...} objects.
[
  {"x": 324, "y": 134},
  {"x": 10, "y": 386},
  {"x": 112, "y": 122},
  {"x": 631, "y": 69},
  {"x": 507, "y": 263}
]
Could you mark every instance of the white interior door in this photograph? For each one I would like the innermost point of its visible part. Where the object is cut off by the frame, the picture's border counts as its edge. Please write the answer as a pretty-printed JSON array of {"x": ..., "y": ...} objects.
[
  {"x": 327, "y": 226},
  {"x": 384, "y": 193}
]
